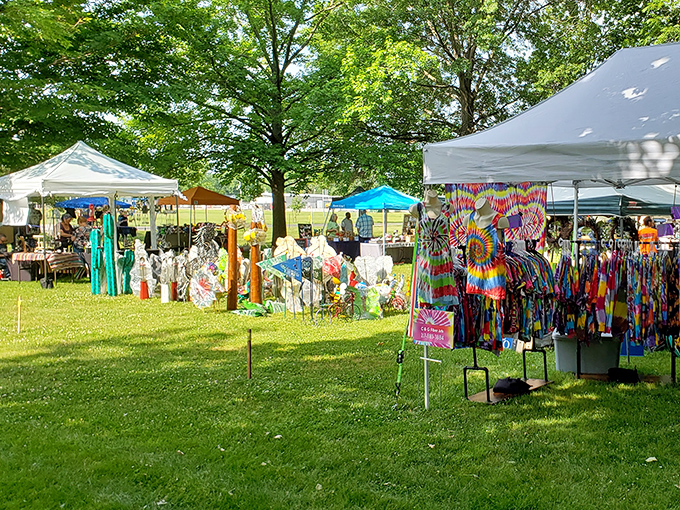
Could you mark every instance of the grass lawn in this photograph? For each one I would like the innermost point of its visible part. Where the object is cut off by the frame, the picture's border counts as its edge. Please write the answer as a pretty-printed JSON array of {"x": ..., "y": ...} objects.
[{"x": 120, "y": 403}]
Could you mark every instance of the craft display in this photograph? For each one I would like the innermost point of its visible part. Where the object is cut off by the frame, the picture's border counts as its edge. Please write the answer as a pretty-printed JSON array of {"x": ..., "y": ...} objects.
[
  {"x": 525, "y": 198},
  {"x": 142, "y": 281},
  {"x": 434, "y": 270},
  {"x": 96, "y": 262},
  {"x": 485, "y": 256},
  {"x": 126, "y": 263},
  {"x": 490, "y": 293},
  {"x": 622, "y": 293},
  {"x": 109, "y": 255}
]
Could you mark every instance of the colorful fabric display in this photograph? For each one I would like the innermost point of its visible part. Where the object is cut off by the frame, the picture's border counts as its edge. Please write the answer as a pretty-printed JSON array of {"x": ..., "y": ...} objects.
[
  {"x": 485, "y": 260},
  {"x": 525, "y": 198},
  {"x": 632, "y": 295},
  {"x": 128, "y": 262},
  {"x": 110, "y": 255},
  {"x": 96, "y": 262},
  {"x": 436, "y": 286},
  {"x": 527, "y": 309}
]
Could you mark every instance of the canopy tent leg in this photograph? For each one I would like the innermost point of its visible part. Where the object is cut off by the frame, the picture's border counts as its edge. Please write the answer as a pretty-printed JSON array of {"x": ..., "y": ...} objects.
[
  {"x": 177, "y": 211},
  {"x": 325, "y": 221},
  {"x": 384, "y": 231},
  {"x": 112, "y": 204},
  {"x": 152, "y": 223},
  {"x": 575, "y": 235},
  {"x": 44, "y": 232}
]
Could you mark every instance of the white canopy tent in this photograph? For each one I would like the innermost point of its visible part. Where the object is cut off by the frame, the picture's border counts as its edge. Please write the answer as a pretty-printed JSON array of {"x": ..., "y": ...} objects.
[
  {"x": 617, "y": 126},
  {"x": 82, "y": 171}
]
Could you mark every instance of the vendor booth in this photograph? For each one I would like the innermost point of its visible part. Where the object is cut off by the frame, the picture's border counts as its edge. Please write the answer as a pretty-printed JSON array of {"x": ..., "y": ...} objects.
[
  {"x": 84, "y": 172},
  {"x": 617, "y": 127},
  {"x": 382, "y": 198},
  {"x": 196, "y": 196}
]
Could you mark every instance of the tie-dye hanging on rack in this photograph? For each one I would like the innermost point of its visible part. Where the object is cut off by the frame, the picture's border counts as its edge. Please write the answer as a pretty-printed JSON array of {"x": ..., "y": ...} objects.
[{"x": 526, "y": 198}]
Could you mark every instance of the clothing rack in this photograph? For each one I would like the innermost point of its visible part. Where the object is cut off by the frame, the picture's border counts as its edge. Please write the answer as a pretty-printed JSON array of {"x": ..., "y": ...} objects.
[{"x": 623, "y": 245}]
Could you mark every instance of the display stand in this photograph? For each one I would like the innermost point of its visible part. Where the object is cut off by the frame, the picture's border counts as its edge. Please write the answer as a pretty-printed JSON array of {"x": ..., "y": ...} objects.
[
  {"x": 476, "y": 367},
  {"x": 673, "y": 358},
  {"x": 545, "y": 362}
]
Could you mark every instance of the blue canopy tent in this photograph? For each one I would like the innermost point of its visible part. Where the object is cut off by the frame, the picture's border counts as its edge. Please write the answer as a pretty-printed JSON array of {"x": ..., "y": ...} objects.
[
  {"x": 382, "y": 198},
  {"x": 84, "y": 203}
]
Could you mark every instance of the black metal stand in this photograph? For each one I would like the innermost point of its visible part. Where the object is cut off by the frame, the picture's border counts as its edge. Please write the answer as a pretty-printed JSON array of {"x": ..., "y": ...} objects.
[
  {"x": 578, "y": 359},
  {"x": 476, "y": 367},
  {"x": 545, "y": 361}
]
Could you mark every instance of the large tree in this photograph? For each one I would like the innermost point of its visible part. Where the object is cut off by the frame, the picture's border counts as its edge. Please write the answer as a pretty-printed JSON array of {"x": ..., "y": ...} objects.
[
  {"x": 419, "y": 71},
  {"x": 45, "y": 105},
  {"x": 227, "y": 86}
]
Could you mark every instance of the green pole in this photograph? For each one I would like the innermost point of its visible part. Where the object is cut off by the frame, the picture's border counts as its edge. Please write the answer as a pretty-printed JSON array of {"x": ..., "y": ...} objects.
[{"x": 401, "y": 352}]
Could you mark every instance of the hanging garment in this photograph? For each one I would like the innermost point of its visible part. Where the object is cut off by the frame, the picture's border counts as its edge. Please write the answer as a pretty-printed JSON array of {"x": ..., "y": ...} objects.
[
  {"x": 485, "y": 260},
  {"x": 436, "y": 285}
]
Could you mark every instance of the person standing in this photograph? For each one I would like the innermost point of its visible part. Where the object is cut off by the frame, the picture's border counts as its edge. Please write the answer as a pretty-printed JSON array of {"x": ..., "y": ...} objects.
[
  {"x": 332, "y": 228},
  {"x": 648, "y": 236},
  {"x": 364, "y": 226},
  {"x": 81, "y": 236},
  {"x": 347, "y": 225}
]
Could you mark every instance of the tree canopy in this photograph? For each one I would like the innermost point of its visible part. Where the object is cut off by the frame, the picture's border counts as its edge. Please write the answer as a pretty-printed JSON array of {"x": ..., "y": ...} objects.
[{"x": 288, "y": 94}]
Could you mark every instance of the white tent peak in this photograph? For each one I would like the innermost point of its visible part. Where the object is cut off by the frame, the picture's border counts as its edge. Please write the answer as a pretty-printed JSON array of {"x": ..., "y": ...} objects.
[
  {"x": 618, "y": 125},
  {"x": 82, "y": 171}
]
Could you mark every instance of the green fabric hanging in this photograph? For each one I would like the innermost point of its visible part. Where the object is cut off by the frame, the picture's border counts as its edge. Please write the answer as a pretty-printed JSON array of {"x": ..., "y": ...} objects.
[
  {"x": 96, "y": 262},
  {"x": 128, "y": 262},
  {"x": 110, "y": 255}
]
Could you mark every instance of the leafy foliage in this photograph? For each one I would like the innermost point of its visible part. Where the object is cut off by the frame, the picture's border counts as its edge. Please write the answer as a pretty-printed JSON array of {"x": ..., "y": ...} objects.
[
  {"x": 229, "y": 86},
  {"x": 45, "y": 105}
]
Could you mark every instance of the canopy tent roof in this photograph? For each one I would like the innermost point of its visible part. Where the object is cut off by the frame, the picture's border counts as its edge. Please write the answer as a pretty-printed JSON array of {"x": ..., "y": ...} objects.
[
  {"x": 380, "y": 198},
  {"x": 636, "y": 201},
  {"x": 82, "y": 171},
  {"x": 84, "y": 203},
  {"x": 617, "y": 126},
  {"x": 200, "y": 196}
]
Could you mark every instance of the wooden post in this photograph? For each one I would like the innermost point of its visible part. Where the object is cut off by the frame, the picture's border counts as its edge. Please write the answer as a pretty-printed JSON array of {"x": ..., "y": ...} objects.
[
  {"x": 232, "y": 269},
  {"x": 250, "y": 350},
  {"x": 18, "y": 314},
  {"x": 255, "y": 275}
]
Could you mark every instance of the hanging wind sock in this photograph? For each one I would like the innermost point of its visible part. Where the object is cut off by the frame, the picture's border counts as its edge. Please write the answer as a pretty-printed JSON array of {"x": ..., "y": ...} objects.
[
  {"x": 96, "y": 262},
  {"x": 110, "y": 255}
]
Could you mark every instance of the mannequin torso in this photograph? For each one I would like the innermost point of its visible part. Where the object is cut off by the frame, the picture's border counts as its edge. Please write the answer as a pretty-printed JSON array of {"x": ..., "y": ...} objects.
[
  {"x": 431, "y": 204},
  {"x": 484, "y": 216}
]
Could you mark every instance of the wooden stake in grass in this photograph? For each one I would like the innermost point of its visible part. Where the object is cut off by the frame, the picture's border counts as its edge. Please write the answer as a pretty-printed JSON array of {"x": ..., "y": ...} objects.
[
  {"x": 18, "y": 314},
  {"x": 249, "y": 350}
]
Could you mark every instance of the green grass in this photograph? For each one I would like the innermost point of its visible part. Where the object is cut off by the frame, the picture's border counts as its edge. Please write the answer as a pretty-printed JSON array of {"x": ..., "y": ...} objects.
[{"x": 121, "y": 403}]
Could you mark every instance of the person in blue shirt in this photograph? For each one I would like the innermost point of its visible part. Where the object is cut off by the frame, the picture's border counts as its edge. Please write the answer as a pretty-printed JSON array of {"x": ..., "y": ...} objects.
[{"x": 364, "y": 226}]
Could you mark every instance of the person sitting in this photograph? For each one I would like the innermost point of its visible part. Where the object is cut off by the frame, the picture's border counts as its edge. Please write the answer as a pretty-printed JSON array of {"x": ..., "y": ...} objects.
[
  {"x": 347, "y": 225},
  {"x": 66, "y": 231},
  {"x": 648, "y": 236},
  {"x": 333, "y": 229},
  {"x": 364, "y": 227},
  {"x": 4, "y": 255}
]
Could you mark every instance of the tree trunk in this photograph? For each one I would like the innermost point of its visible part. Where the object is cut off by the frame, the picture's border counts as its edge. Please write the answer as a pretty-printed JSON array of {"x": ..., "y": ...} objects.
[
  {"x": 278, "y": 206},
  {"x": 467, "y": 105}
]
